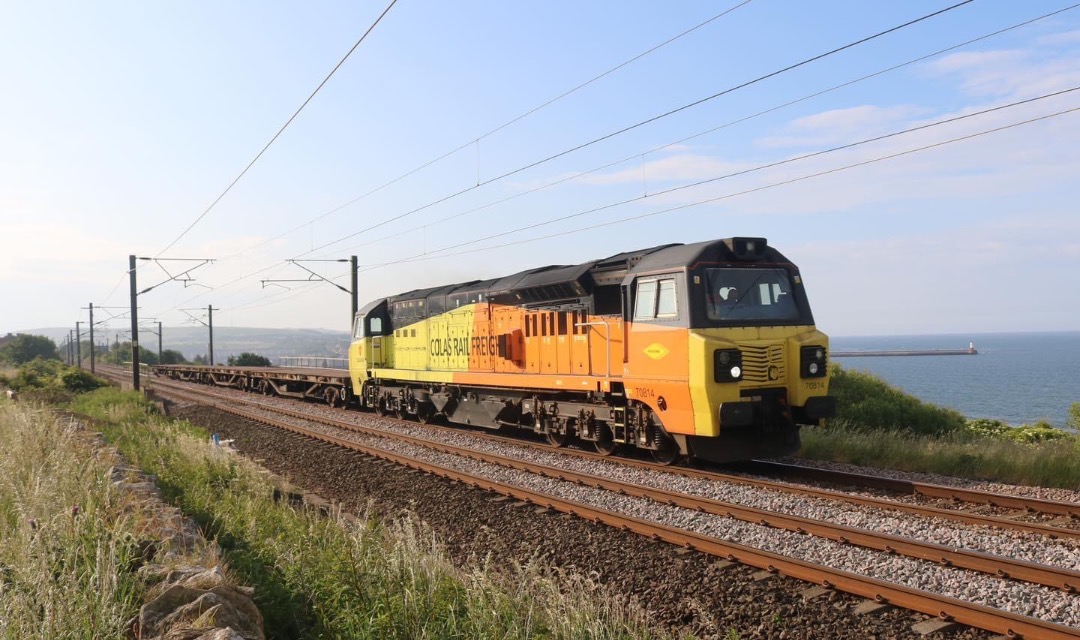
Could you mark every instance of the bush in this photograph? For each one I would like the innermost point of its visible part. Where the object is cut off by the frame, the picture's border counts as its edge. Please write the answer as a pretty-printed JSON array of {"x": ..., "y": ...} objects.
[
  {"x": 1041, "y": 431},
  {"x": 864, "y": 401},
  {"x": 36, "y": 374},
  {"x": 79, "y": 381},
  {"x": 51, "y": 381},
  {"x": 247, "y": 359},
  {"x": 1074, "y": 416}
]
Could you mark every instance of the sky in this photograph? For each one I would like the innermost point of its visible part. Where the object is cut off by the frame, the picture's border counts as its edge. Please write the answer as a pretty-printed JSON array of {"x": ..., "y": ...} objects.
[{"x": 472, "y": 140}]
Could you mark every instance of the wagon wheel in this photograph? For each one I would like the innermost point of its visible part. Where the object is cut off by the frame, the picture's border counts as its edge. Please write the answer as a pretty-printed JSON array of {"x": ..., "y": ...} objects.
[
  {"x": 605, "y": 440},
  {"x": 425, "y": 412},
  {"x": 667, "y": 450},
  {"x": 264, "y": 387},
  {"x": 332, "y": 396},
  {"x": 556, "y": 439}
]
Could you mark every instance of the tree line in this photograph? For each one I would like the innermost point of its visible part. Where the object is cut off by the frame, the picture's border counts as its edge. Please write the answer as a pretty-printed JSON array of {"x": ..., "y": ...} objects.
[{"x": 22, "y": 348}]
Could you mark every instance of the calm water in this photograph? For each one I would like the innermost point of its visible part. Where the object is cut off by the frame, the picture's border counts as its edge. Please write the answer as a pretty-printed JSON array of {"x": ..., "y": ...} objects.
[{"x": 1017, "y": 377}]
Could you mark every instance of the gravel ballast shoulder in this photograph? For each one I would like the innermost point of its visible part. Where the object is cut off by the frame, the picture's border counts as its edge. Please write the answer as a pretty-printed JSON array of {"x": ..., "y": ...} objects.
[{"x": 684, "y": 591}]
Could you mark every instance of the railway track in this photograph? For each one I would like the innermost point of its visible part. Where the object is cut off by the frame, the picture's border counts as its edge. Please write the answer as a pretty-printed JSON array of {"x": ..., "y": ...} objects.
[
  {"x": 1068, "y": 513},
  {"x": 933, "y": 604}
]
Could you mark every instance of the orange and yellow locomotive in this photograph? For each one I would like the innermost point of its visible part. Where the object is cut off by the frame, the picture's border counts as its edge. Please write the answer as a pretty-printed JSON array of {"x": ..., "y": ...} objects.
[{"x": 706, "y": 350}]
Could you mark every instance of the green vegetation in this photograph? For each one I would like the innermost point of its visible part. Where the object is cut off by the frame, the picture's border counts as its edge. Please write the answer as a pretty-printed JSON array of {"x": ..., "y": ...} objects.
[
  {"x": 50, "y": 380},
  {"x": 318, "y": 576},
  {"x": 120, "y": 353},
  {"x": 23, "y": 348},
  {"x": 864, "y": 401},
  {"x": 881, "y": 426},
  {"x": 249, "y": 360},
  {"x": 67, "y": 536},
  {"x": 171, "y": 356}
]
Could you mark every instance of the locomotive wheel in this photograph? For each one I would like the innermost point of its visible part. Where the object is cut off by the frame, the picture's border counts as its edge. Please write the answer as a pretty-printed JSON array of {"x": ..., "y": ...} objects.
[
  {"x": 425, "y": 412},
  {"x": 401, "y": 413},
  {"x": 380, "y": 407},
  {"x": 668, "y": 450},
  {"x": 605, "y": 440}
]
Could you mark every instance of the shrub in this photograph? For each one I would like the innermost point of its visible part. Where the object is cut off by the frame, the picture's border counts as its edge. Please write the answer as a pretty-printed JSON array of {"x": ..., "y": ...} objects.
[
  {"x": 79, "y": 381},
  {"x": 51, "y": 381},
  {"x": 1074, "y": 416},
  {"x": 864, "y": 401}
]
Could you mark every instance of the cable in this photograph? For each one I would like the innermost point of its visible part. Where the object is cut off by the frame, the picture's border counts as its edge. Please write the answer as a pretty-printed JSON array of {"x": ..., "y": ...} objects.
[
  {"x": 924, "y": 57},
  {"x": 736, "y": 194},
  {"x": 430, "y": 255},
  {"x": 641, "y": 124},
  {"x": 500, "y": 127},
  {"x": 730, "y": 123},
  {"x": 280, "y": 131},
  {"x": 718, "y": 128}
]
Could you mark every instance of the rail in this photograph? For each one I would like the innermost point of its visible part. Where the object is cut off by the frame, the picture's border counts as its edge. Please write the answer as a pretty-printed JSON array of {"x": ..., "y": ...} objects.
[{"x": 1013, "y": 625}]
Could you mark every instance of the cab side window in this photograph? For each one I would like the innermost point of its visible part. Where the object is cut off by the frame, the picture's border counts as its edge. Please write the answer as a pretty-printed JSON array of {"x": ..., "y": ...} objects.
[
  {"x": 645, "y": 308},
  {"x": 656, "y": 299},
  {"x": 375, "y": 326}
]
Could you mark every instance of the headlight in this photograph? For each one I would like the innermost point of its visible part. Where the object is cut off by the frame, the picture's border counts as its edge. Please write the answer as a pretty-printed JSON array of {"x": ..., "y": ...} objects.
[
  {"x": 812, "y": 362},
  {"x": 727, "y": 365}
]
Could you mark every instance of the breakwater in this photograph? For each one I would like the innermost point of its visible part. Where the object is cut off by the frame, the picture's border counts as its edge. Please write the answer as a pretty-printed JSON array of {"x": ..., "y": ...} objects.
[{"x": 970, "y": 351}]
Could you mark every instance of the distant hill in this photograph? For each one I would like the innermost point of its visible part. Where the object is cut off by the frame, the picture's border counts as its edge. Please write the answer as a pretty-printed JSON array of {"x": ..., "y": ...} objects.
[{"x": 193, "y": 341}]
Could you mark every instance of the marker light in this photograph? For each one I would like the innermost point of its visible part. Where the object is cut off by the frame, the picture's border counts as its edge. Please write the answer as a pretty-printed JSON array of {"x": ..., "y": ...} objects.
[{"x": 736, "y": 372}]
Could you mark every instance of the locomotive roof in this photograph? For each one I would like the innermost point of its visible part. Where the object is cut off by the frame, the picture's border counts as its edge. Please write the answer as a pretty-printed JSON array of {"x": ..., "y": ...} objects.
[{"x": 561, "y": 282}]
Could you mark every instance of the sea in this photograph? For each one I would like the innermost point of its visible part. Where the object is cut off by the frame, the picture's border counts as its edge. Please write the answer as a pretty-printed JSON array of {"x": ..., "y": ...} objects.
[{"x": 1017, "y": 378}]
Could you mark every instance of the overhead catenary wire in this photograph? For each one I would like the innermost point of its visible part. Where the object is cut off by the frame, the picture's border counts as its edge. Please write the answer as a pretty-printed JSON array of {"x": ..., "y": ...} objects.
[
  {"x": 610, "y": 135},
  {"x": 730, "y": 123},
  {"x": 777, "y": 107},
  {"x": 736, "y": 194},
  {"x": 502, "y": 126},
  {"x": 939, "y": 52},
  {"x": 742, "y": 172},
  {"x": 755, "y": 189},
  {"x": 751, "y": 190},
  {"x": 642, "y": 123},
  {"x": 682, "y": 140},
  {"x": 279, "y": 131}
]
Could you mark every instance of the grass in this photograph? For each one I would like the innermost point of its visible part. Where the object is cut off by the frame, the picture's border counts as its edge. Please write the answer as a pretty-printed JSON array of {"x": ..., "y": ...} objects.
[
  {"x": 881, "y": 426},
  {"x": 325, "y": 577},
  {"x": 67, "y": 540},
  {"x": 864, "y": 400},
  {"x": 1053, "y": 463}
]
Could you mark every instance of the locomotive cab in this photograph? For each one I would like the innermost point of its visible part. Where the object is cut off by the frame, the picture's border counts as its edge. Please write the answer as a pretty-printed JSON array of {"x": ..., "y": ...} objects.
[
  {"x": 723, "y": 349},
  {"x": 367, "y": 351}
]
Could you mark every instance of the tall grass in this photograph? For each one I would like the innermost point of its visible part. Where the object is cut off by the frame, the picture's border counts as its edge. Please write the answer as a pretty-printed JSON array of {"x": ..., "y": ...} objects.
[
  {"x": 882, "y": 426},
  {"x": 326, "y": 577},
  {"x": 1053, "y": 463},
  {"x": 66, "y": 542}
]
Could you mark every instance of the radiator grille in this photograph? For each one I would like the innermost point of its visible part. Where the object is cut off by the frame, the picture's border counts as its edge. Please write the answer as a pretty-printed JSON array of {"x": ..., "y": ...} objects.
[{"x": 757, "y": 361}]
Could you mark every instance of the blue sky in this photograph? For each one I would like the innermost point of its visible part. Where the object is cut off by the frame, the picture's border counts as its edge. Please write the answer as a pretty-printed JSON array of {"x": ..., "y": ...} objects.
[{"x": 120, "y": 123}]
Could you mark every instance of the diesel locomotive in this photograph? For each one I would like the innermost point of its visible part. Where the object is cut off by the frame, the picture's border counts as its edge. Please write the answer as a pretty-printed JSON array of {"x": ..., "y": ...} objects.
[{"x": 707, "y": 350}]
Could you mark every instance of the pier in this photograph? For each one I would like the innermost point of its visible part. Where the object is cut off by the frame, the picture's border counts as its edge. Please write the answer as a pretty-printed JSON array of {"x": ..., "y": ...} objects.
[{"x": 970, "y": 351}]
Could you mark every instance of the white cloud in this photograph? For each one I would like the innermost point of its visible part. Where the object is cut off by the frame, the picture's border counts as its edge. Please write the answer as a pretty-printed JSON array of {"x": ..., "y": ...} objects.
[
  {"x": 1058, "y": 39},
  {"x": 685, "y": 166},
  {"x": 842, "y": 125},
  {"x": 1011, "y": 73}
]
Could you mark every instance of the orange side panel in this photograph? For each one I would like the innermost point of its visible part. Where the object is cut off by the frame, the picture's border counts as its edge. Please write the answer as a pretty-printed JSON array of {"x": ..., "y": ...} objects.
[{"x": 532, "y": 381}]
